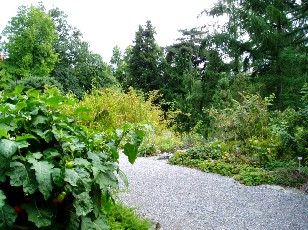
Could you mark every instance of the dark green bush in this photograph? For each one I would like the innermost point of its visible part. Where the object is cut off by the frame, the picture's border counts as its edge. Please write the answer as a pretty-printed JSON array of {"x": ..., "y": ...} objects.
[
  {"x": 290, "y": 176},
  {"x": 37, "y": 83}
]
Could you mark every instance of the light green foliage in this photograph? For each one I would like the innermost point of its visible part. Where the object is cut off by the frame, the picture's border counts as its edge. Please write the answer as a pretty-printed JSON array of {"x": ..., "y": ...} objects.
[
  {"x": 112, "y": 108},
  {"x": 122, "y": 218},
  {"x": 51, "y": 168},
  {"x": 29, "y": 43}
]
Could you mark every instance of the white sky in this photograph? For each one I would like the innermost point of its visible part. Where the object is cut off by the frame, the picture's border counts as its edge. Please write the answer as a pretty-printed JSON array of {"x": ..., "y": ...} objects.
[{"x": 106, "y": 24}]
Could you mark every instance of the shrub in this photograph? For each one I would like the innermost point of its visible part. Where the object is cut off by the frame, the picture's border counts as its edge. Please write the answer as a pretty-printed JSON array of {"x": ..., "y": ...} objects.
[
  {"x": 112, "y": 108},
  {"x": 290, "y": 176},
  {"x": 36, "y": 82},
  {"x": 53, "y": 173},
  {"x": 254, "y": 176},
  {"x": 121, "y": 217}
]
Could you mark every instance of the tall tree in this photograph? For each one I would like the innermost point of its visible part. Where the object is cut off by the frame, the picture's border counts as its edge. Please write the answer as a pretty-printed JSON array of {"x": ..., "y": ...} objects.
[
  {"x": 191, "y": 75},
  {"x": 145, "y": 62},
  {"x": 268, "y": 38},
  {"x": 78, "y": 69},
  {"x": 28, "y": 43}
]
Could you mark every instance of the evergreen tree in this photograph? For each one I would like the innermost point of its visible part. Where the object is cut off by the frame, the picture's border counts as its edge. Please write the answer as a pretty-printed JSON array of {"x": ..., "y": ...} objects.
[
  {"x": 268, "y": 39},
  {"x": 145, "y": 60}
]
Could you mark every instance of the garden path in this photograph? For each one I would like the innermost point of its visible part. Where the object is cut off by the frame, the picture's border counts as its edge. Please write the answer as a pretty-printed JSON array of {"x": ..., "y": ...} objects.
[{"x": 180, "y": 198}]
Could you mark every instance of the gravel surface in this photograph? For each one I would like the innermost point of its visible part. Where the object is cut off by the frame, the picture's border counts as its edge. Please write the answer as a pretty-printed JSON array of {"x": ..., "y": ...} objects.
[{"x": 182, "y": 198}]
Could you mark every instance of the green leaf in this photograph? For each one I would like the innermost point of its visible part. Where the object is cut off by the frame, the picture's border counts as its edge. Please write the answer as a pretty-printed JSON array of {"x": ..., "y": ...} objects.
[
  {"x": 58, "y": 177},
  {"x": 43, "y": 170},
  {"x": 39, "y": 119},
  {"x": 26, "y": 137},
  {"x": 51, "y": 153},
  {"x": 96, "y": 198},
  {"x": 18, "y": 89},
  {"x": 71, "y": 176},
  {"x": 7, "y": 148},
  {"x": 21, "y": 105},
  {"x": 100, "y": 223},
  {"x": 2, "y": 199},
  {"x": 40, "y": 217},
  {"x": 54, "y": 101},
  {"x": 82, "y": 162},
  {"x": 106, "y": 201},
  {"x": 131, "y": 151},
  {"x": 106, "y": 179},
  {"x": 4, "y": 129},
  {"x": 82, "y": 110},
  {"x": 7, "y": 217},
  {"x": 22, "y": 176},
  {"x": 46, "y": 135},
  {"x": 83, "y": 204}
]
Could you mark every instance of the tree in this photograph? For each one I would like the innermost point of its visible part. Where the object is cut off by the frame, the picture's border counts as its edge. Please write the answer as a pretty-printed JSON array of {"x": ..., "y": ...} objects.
[
  {"x": 30, "y": 36},
  {"x": 145, "y": 62},
  {"x": 119, "y": 65},
  {"x": 78, "y": 69},
  {"x": 267, "y": 39},
  {"x": 191, "y": 76}
]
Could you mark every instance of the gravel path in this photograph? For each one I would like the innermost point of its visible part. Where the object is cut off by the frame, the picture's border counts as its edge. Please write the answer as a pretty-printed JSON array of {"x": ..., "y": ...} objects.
[{"x": 180, "y": 198}]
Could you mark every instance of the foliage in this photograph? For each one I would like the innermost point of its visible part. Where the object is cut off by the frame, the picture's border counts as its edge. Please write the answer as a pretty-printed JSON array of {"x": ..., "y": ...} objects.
[
  {"x": 29, "y": 43},
  {"x": 39, "y": 83},
  {"x": 254, "y": 176},
  {"x": 54, "y": 173},
  {"x": 267, "y": 40},
  {"x": 78, "y": 69},
  {"x": 291, "y": 176},
  {"x": 111, "y": 108},
  {"x": 121, "y": 218},
  {"x": 144, "y": 64}
]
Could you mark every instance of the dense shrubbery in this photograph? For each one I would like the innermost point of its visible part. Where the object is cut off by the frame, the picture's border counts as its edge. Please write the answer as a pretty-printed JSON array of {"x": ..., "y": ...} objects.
[
  {"x": 253, "y": 144},
  {"x": 112, "y": 108},
  {"x": 54, "y": 173}
]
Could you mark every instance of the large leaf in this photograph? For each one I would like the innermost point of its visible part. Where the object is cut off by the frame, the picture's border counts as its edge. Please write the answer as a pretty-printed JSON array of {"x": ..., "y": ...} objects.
[
  {"x": 83, "y": 204},
  {"x": 71, "y": 176},
  {"x": 79, "y": 178},
  {"x": 40, "y": 217},
  {"x": 131, "y": 151},
  {"x": 39, "y": 119},
  {"x": 22, "y": 176},
  {"x": 8, "y": 148},
  {"x": 99, "y": 224},
  {"x": 7, "y": 217},
  {"x": 4, "y": 129},
  {"x": 43, "y": 170},
  {"x": 106, "y": 180}
]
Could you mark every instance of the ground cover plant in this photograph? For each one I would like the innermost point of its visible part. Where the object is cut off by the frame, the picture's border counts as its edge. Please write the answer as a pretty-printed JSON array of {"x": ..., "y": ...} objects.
[
  {"x": 55, "y": 174},
  {"x": 253, "y": 144}
]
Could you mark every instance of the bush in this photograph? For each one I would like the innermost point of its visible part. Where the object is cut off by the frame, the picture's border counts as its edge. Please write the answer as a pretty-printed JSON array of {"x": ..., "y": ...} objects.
[
  {"x": 111, "y": 109},
  {"x": 123, "y": 218},
  {"x": 53, "y": 173},
  {"x": 35, "y": 82},
  {"x": 290, "y": 176},
  {"x": 254, "y": 176}
]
